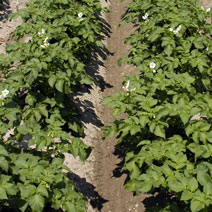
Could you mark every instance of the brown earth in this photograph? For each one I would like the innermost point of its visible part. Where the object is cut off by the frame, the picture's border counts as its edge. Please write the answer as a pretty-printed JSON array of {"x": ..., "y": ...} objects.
[
  {"x": 99, "y": 178},
  {"x": 109, "y": 180}
]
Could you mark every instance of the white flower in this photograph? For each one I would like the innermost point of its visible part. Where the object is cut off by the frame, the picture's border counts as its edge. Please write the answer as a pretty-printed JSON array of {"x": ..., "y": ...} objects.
[
  {"x": 126, "y": 86},
  {"x": 5, "y": 92},
  {"x": 145, "y": 16},
  {"x": 154, "y": 71},
  {"x": 80, "y": 15},
  {"x": 42, "y": 32},
  {"x": 46, "y": 45},
  {"x": 46, "y": 39},
  {"x": 152, "y": 65},
  {"x": 208, "y": 10},
  {"x": 133, "y": 89},
  {"x": 170, "y": 29},
  {"x": 177, "y": 30}
]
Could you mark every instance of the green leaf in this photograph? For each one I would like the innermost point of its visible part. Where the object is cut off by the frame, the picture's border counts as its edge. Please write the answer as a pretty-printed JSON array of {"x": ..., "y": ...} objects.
[
  {"x": 144, "y": 186},
  {"x": 196, "y": 205},
  {"x": 43, "y": 110},
  {"x": 168, "y": 50},
  {"x": 207, "y": 188},
  {"x": 27, "y": 190},
  {"x": 176, "y": 186},
  {"x": 52, "y": 80},
  {"x": 23, "y": 129},
  {"x": 192, "y": 184},
  {"x": 36, "y": 202},
  {"x": 30, "y": 100},
  {"x": 37, "y": 115},
  {"x": 159, "y": 131},
  {"x": 198, "y": 43},
  {"x": 186, "y": 195},
  {"x": 133, "y": 169},
  {"x": 86, "y": 80},
  {"x": 4, "y": 164},
  {"x": 3, "y": 151},
  {"x": 59, "y": 85},
  {"x": 144, "y": 120},
  {"x": 203, "y": 177},
  {"x": 3, "y": 194},
  {"x": 11, "y": 115},
  {"x": 42, "y": 190},
  {"x": 68, "y": 206},
  {"x": 184, "y": 117}
]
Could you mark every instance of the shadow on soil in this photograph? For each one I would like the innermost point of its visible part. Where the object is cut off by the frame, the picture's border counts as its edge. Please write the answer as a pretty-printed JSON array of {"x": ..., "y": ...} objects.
[
  {"x": 88, "y": 190},
  {"x": 88, "y": 115},
  {"x": 5, "y": 9},
  {"x": 98, "y": 56}
]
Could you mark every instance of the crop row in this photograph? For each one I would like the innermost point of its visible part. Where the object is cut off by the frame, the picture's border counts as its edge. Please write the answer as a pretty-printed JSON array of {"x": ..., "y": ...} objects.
[
  {"x": 38, "y": 78},
  {"x": 167, "y": 135}
]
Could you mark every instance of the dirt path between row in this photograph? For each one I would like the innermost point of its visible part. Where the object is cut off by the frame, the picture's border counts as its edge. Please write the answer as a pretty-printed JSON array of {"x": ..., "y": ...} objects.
[{"x": 109, "y": 179}]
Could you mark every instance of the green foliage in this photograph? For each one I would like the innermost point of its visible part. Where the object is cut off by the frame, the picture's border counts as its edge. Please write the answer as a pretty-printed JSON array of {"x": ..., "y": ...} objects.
[
  {"x": 28, "y": 182},
  {"x": 41, "y": 75},
  {"x": 167, "y": 133}
]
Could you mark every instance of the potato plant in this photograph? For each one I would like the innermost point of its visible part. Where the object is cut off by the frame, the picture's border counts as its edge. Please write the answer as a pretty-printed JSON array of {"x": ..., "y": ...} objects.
[
  {"x": 167, "y": 135},
  {"x": 38, "y": 78}
]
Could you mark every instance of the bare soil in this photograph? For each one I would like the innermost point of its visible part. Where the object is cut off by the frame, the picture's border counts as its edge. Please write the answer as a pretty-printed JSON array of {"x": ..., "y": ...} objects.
[{"x": 99, "y": 178}]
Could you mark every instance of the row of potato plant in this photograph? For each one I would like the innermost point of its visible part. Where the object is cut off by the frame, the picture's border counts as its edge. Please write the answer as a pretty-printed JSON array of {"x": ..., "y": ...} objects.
[
  {"x": 38, "y": 78},
  {"x": 167, "y": 135}
]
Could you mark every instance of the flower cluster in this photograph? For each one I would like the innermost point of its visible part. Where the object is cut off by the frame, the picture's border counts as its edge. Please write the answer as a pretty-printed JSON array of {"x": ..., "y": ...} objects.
[
  {"x": 207, "y": 10},
  {"x": 3, "y": 95},
  {"x": 176, "y": 31},
  {"x": 45, "y": 43},
  {"x": 152, "y": 65},
  {"x": 80, "y": 15},
  {"x": 146, "y": 15},
  {"x": 42, "y": 32},
  {"x": 126, "y": 87}
]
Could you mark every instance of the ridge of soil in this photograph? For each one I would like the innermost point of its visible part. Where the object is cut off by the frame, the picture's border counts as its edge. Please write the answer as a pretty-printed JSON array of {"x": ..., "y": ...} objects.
[{"x": 109, "y": 180}]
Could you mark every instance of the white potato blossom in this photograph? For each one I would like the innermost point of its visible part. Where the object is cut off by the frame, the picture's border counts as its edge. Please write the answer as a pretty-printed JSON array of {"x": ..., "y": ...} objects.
[
  {"x": 45, "y": 41},
  {"x": 208, "y": 10},
  {"x": 3, "y": 95},
  {"x": 152, "y": 65},
  {"x": 80, "y": 15},
  {"x": 154, "y": 71},
  {"x": 5, "y": 92},
  {"x": 176, "y": 31},
  {"x": 42, "y": 32},
  {"x": 126, "y": 87},
  {"x": 45, "y": 44},
  {"x": 145, "y": 16}
]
